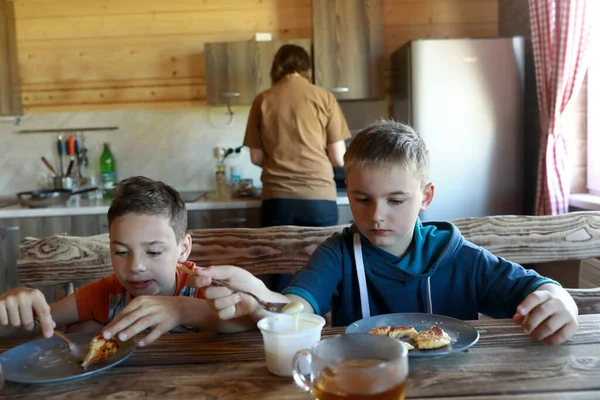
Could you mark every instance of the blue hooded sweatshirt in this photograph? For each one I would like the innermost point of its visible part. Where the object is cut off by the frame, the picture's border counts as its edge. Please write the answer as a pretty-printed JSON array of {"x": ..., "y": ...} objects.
[{"x": 465, "y": 279}]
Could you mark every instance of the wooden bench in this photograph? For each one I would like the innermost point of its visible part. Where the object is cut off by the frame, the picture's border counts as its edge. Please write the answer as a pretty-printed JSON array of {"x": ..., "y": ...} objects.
[{"x": 522, "y": 239}]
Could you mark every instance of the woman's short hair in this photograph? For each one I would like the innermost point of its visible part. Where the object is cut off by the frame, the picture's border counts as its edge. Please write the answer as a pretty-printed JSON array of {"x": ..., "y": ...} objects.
[{"x": 290, "y": 58}]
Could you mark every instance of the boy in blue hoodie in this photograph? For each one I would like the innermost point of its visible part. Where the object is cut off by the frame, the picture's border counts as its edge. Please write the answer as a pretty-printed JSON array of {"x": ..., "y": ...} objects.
[{"x": 391, "y": 262}]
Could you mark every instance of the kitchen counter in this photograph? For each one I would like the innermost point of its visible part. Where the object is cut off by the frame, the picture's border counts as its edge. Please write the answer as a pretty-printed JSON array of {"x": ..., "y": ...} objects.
[{"x": 100, "y": 207}]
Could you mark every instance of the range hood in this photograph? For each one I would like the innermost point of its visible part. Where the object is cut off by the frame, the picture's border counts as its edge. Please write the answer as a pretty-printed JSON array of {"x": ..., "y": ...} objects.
[
  {"x": 361, "y": 113},
  {"x": 11, "y": 119}
]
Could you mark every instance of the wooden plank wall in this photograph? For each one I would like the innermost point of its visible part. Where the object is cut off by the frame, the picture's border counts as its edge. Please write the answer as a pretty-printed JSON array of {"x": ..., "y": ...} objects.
[{"x": 113, "y": 54}]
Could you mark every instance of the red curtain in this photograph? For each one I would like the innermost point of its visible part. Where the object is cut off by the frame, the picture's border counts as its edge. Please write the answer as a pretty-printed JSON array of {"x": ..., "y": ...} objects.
[{"x": 560, "y": 31}]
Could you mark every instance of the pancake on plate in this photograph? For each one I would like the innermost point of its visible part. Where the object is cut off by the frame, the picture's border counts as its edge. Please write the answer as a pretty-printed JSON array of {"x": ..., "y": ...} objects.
[
  {"x": 380, "y": 330},
  {"x": 432, "y": 338},
  {"x": 398, "y": 332},
  {"x": 100, "y": 350}
]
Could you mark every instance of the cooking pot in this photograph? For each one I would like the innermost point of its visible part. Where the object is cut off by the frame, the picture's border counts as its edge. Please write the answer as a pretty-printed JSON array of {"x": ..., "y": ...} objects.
[{"x": 50, "y": 197}]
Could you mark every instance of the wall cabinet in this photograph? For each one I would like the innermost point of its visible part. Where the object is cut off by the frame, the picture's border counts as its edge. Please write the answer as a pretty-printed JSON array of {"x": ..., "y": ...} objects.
[
  {"x": 10, "y": 92},
  {"x": 241, "y": 68},
  {"x": 349, "y": 48},
  {"x": 80, "y": 225},
  {"x": 90, "y": 225},
  {"x": 214, "y": 219}
]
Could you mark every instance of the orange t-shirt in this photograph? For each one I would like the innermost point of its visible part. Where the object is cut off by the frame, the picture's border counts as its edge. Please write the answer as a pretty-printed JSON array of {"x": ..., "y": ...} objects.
[{"x": 94, "y": 300}]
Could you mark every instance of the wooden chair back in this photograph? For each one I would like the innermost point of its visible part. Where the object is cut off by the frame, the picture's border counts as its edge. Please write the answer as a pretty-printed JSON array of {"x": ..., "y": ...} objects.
[{"x": 521, "y": 239}]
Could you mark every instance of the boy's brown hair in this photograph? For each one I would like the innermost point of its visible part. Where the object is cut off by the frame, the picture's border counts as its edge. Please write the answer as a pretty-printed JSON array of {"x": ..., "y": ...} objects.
[
  {"x": 144, "y": 196},
  {"x": 289, "y": 59},
  {"x": 386, "y": 143}
]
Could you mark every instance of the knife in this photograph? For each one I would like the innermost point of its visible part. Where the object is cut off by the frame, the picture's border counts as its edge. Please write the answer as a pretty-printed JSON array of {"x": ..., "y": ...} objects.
[
  {"x": 60, "y": 154},
  {"x": 70, "y": 167}
]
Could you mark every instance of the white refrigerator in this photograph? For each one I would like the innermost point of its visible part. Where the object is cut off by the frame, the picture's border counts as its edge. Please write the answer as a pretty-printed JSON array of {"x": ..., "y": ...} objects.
[{"x": 466, "y": 98}]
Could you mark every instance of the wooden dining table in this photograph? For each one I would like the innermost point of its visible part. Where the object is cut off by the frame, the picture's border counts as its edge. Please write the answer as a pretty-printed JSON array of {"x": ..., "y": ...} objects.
[{"x": 504, "y": 364}]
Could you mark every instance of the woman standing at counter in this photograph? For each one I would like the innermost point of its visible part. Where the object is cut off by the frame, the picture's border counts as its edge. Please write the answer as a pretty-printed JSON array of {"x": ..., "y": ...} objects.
[{"x": 296, "y": 133}]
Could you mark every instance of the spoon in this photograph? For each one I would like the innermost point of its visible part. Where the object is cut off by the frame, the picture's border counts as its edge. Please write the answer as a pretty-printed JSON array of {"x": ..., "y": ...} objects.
[
  {"x": 272, "y": 307},
  {"x": 77, "y": 351}
]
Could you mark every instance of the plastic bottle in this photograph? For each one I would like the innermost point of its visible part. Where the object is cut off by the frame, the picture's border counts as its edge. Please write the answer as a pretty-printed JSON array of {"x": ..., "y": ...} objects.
[
  {"x": 108, "y": 172},
  {"x": 220, "y": 180},
  {"x": 235, "y": 174}
]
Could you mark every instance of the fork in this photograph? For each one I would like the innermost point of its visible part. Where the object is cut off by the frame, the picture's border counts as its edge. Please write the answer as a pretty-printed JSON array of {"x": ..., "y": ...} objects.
[
  {"x": 77, "y": 351},
  {"x": 272, "y": 307}
]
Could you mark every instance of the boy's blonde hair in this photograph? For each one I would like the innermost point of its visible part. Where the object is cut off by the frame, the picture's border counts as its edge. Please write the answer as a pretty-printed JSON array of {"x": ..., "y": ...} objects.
[{"x": 389, "y": 143}]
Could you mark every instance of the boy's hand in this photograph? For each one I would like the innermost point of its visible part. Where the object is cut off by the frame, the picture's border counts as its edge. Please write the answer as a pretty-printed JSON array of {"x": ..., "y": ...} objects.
[
  {"x": 223, "y": 301},
  {"x": 162, "y": 313},
  {"x": 20, "y": 305},
  {"x": 547, "y": 315}
]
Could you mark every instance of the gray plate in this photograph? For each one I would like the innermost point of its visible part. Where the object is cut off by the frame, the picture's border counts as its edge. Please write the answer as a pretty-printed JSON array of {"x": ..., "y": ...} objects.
[
  {"x": 462, "y": 334},
  {"x": 49, "y": 360}
]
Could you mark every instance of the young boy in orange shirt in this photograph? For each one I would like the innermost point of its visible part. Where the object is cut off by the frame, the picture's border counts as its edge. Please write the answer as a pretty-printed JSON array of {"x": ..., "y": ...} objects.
[{"x": 147, "y": 228}]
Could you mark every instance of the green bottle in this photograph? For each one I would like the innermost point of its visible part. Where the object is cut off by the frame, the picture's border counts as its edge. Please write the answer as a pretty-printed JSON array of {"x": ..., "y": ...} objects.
[{"x": 108, "y": 172}]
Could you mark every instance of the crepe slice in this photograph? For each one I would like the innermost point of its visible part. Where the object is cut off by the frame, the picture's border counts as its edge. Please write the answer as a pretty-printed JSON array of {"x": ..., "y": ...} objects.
[
  {"x": 432, "y": 338},
  {"x": 380, "y": 330},
  {"x": 398, "y": 332},
  {"x": 100, "y": 350}
]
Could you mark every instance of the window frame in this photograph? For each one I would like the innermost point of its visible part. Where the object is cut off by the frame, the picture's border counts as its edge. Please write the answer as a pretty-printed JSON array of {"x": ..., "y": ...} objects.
[{"x": 593, "y": 103}]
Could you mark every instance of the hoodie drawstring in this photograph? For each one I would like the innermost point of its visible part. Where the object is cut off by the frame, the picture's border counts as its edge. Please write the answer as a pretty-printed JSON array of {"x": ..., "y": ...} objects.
[
  {"x": 428, "y": 294},
  {"x": 362, "y": 280}
]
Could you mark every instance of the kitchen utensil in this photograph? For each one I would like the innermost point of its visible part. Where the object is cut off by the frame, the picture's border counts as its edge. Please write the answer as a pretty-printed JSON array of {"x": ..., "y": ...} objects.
[
  {"x": 49, "y": 166},
  {"x": 78, "y": 160},
  {"x": 46, "y": 198},
  {"x": 84, "y": 151},
  {"x": 77, "y": 351},
  {"x": 59, "y": 148},
  {"x": 71, "y": 145},
  {"x": 70, "y": 167},
  {"x": 272, "y": 307}
]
